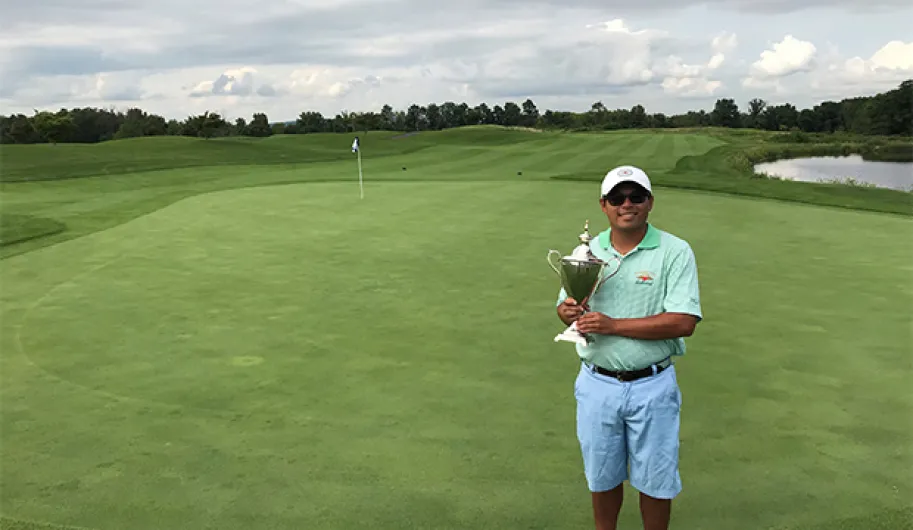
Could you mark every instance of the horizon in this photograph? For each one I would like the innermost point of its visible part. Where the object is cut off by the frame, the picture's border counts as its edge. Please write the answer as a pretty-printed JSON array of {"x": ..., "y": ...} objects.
[
  {"x": 235, "y": 58},
  {"x": 490, "y": 105}
]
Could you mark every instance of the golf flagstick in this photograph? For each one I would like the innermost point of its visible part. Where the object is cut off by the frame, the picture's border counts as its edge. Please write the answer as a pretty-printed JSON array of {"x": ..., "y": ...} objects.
[{"x": 356, "y": 148}]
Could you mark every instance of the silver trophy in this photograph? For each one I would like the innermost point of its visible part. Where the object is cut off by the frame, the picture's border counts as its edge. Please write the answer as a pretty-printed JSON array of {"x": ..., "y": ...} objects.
[{"x": 581, "y": 274}]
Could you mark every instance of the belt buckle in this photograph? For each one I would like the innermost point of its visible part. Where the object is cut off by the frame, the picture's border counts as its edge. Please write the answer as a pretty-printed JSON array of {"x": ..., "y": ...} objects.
[{"x": 621, "y": 376}]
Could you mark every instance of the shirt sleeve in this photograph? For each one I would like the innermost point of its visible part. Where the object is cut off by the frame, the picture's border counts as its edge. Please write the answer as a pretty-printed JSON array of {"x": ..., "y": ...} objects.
[
  {"x": 682, "y": 289},
  {"x": 561, "y": 296}
]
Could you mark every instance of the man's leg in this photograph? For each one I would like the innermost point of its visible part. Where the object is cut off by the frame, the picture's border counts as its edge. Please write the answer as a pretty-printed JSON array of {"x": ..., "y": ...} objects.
[
  {"x": 601, "y": 433},
  {"x": 654, "y": 405},
  {"x": 607, "y": 506},
  {"x": 655, "y": 513}
]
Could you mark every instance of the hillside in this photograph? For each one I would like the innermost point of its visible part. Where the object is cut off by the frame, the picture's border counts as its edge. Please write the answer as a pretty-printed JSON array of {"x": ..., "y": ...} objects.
[{"x": 56, "y": 192}]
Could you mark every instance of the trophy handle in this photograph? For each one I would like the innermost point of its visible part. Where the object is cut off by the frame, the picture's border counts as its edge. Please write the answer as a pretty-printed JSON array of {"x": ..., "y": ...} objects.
[
  {"x": 551, "y": 263},
  {"x": 615, "y": 259}
]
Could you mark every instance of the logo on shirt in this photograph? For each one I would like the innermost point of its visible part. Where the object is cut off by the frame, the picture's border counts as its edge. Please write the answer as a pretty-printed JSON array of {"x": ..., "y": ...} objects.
[{"x": 644, "y": 278}]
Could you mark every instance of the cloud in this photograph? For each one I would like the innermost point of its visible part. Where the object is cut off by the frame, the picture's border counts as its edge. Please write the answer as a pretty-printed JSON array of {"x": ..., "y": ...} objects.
[
  {"x": 786, "y": 57},
  {"x": 737, "y": 6},
  {"x": 235, "y": 82},
  {"x": 895, "y": 57},
  {"x": 830, "y": 75},
  {"x": 689, "y": 87},
  {"x": 608, "y": 55},
  {"x": 80, "y": 90},
  {"x": 177, "y": 57},
  {"x": 696, "y": 80},
  {"x": 721, "y": 45},
  {"x": 886, "y": 68},
  {"x": 122, "y": 87}
]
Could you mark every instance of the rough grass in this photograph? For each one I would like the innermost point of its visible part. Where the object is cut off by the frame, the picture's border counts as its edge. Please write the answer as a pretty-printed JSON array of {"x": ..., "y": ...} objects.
[{"x": 729, "y": 168}]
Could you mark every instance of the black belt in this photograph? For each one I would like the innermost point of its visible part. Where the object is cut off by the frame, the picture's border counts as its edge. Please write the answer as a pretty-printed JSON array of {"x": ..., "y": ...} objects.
[{"x": 631, "y": 375}]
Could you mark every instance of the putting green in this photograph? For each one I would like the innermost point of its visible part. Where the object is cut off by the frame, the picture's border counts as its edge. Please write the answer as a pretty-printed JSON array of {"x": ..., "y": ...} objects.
[{"x": 291, "y": 356}]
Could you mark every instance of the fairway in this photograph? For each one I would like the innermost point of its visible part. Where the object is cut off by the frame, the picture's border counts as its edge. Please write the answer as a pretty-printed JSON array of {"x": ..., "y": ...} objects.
[{"x": 255, "y": 347}]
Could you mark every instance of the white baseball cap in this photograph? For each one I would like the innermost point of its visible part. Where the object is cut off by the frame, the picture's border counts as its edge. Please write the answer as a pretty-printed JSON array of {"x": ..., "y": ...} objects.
[{"x": 625, "y": 174}]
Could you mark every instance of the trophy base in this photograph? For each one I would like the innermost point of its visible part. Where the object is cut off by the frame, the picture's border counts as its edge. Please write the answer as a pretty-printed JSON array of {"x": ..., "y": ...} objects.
[{"x": 572, "y": 335}]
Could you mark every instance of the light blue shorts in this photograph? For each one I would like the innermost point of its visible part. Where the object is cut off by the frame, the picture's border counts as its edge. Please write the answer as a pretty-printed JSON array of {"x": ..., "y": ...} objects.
[{"x": 633, "y": 423}]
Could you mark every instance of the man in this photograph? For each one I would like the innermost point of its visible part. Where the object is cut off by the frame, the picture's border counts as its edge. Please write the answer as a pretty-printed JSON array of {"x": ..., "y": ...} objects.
[{"x": 628, "y": 399}]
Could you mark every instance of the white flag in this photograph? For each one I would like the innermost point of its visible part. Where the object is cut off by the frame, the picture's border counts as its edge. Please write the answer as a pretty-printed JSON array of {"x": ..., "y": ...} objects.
[{"x": 355, "y": 146}]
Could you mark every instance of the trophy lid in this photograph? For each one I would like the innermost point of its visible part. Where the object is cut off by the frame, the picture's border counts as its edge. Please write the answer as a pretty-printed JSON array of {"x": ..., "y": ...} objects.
[
  {"x": 582, "y": 251},
  {"x": 585, "y": 237}
]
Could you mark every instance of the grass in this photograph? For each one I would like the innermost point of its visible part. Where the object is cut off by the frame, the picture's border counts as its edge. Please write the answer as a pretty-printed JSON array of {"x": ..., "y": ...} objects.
[
  {"x": 93, "y": 187},
  {"x": 64, "y": 190},
  {"x": 203, "y": 350},
  {"x": 21, "y": 228}
]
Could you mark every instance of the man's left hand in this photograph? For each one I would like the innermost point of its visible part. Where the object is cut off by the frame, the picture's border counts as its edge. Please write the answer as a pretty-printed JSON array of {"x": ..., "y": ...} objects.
[{"x": 594, "y": 322}]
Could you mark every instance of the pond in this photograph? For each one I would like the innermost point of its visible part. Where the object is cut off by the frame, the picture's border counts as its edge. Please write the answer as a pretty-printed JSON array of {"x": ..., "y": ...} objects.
[{"x": 896, "y": 175}]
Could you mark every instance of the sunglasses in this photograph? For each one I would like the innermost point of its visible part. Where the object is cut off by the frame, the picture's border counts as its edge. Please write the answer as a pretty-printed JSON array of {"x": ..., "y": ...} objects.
[{"x": 617, "y": 199}]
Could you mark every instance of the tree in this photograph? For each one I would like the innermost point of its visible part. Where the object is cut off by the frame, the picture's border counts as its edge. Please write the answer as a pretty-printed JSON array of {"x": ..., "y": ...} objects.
[
  {"x": 206, "y": 125},
  {"x": 530, "y": 113},
  {"x": 808, "y": 121},
  {"x": 240, "y": 127},
  {"x": 755, "y": 108},
  {"x": 259, "y": 126},
  {"x": 435, "y": 119},
  {"x": 414, "y": 117},
  {"x": 512, "y": 114},
  {"x": 18, "y": 129},
  {"x": 638, "y": 117},
  {"x": 828, "y": 116},
  {"x": 886, "y": 113},
  {"x": 486, "y": 115},
  {"x": 725, "y": 113},
  {"x": 388, "y": 118},
  {"x": 311, "y": 122},
  {"x": 53, "y": 127}
]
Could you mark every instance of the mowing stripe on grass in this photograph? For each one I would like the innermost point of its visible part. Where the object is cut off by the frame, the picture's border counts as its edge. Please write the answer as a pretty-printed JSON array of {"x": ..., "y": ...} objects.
[
  {"x": 647, "y": 149},
  {"x": 667, "y": 148},
  {"x": 397, "y": 365}
]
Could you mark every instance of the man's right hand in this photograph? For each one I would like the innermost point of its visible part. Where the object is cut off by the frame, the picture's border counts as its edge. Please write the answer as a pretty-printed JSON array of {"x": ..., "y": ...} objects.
[{"x": 569, "y": 310}]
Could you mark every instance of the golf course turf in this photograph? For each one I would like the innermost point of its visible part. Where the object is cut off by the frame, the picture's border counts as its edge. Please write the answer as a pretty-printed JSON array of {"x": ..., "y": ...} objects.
[{"x": 247, "y": 344}]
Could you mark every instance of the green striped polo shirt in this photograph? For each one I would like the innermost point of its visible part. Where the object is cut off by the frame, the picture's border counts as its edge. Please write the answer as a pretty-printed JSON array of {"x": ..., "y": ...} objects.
[{"x": 659, "y": 275}]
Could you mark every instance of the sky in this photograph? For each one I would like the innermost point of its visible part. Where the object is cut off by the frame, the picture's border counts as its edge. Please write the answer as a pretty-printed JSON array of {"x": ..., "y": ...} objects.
[{"x": 282, "y": 57}]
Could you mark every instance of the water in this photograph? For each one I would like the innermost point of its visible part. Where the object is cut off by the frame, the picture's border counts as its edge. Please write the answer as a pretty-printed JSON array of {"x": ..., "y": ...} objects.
[{"x": 895, "y": 175}]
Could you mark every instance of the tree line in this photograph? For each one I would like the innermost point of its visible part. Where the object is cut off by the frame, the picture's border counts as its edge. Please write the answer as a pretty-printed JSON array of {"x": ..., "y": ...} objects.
[{"x": 886, "y": 113}]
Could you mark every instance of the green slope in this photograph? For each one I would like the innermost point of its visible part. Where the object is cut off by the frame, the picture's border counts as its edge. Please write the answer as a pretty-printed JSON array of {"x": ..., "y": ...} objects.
[
  {"x": 104, "y": 199},
  {"x": 555, "y": 152}
]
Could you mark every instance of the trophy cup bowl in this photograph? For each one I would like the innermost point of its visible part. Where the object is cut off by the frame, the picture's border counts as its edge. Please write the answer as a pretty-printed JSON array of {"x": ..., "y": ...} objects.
[{"x": 578, "y": 277}]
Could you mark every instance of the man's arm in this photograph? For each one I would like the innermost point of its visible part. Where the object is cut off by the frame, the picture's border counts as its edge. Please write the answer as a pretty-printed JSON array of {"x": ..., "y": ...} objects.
[{"x": 657, "y": 327}]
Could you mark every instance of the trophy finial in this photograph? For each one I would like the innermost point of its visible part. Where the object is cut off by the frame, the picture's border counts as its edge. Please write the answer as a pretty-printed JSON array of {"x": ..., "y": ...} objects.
[{"x": 585, "y": 237}]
